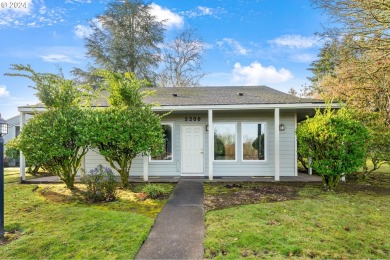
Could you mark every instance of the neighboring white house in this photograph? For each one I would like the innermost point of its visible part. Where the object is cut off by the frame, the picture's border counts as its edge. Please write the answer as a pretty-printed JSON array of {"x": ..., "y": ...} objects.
[
  {"x": 13, "y": 131},
  {"x": 13, "y": 128},
  {"x": 220, "y": 131}
]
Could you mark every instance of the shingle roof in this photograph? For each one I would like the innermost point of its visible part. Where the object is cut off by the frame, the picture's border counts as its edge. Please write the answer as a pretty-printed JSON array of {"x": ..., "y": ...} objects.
[
  {"x": 224, "y": 96},
  {"x": 252, "y": 95}
]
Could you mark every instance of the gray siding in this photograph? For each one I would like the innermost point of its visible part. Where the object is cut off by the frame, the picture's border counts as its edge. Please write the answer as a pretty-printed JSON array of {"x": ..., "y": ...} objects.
[
  {"x": 225, "y": 168},
  {"x": 93, "y": 159}
]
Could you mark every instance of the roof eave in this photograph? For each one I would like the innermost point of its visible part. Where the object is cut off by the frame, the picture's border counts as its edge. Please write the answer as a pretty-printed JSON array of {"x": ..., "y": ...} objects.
[
  {"x": 29, "y": 109},
  {"x": 246, "y": 106}
]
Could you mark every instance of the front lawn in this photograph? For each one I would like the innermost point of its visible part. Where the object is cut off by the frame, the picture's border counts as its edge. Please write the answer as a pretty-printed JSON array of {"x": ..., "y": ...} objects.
[
  {"x": 46, "y": 221},
  {"x": 298, "y": 220}
]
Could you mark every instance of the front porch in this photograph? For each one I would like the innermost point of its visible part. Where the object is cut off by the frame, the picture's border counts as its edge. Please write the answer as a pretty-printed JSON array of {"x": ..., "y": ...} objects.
[{"x": 302, "y": 177}]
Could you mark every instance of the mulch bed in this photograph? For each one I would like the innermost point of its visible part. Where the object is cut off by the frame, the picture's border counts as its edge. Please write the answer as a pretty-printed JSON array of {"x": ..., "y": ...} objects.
[{"x": 250, "y": 195}]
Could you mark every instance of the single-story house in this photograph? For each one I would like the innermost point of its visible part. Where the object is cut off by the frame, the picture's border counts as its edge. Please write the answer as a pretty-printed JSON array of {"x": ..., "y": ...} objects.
[{"x": 220, "y": 132}]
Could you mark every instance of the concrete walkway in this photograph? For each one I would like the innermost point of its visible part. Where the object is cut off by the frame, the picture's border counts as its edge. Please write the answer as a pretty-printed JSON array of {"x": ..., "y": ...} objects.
[{"x": 179, "y": 228}]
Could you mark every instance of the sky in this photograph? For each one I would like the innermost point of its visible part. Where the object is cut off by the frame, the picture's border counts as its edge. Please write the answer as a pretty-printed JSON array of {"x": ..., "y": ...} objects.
[{"x": 251, "y": 42}]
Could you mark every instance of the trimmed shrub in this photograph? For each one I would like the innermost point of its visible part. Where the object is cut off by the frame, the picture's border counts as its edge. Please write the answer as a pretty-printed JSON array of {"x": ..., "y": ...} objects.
[
  {"x": 101, "y": 184},
  {"x": 155, "y": 191},
  {"x": 335, "y": 142}
]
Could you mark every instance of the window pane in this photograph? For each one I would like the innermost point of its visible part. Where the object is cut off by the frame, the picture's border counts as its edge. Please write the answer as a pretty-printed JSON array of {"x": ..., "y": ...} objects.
[
  {"x": 224, "y": 142},
  {"x": 167, "y": 150},
  {"x": 253, "y": 141},
  {"x": 17, "y": 130}
]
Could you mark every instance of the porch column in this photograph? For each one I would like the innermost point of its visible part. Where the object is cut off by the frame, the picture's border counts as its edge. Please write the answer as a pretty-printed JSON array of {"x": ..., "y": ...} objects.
[
  {"x": 22, "y": 160},
  {"x": 211, "y": 144},
  {"x": 146, "y": 168},
  {"x": 295, "y": 144},
  {"x": 277, "y": 144}
]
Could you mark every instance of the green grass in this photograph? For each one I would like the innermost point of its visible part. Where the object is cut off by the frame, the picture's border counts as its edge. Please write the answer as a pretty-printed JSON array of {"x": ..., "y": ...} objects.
[
  {"x": 11, "y": 175},
  {"x": 46, "y": 221},
  {"x": 353, "y": 223}
]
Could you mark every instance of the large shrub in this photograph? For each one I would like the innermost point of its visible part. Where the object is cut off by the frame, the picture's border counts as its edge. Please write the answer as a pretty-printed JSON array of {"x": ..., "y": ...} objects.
[
  {"x": 126, "y": 129},
  {"x": 57, "y": 140},
  {"x": 12, "y": 153},
  {"x": 335, "y": 142},
  {"x": 11, "y": 149}
]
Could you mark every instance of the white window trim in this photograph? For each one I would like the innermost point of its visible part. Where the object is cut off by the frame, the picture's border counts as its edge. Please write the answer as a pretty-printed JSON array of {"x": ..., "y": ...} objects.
[
  {"x": 173, "y": 147},
  {"x": 265, "y": 142},
  {"x": 235, "y": 140}
]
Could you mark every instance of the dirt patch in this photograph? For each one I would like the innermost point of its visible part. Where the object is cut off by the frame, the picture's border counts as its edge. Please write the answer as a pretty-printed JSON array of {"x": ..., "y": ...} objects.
[
  {"x": 225, "y": 195},
  {"x": 249, "y": 194}
]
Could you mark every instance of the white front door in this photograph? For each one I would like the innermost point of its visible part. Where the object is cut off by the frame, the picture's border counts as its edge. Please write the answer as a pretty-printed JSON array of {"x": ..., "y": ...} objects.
[{"x": 192, "y": 149}]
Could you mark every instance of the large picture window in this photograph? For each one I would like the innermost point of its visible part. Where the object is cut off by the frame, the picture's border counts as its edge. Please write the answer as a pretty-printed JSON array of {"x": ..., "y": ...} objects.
[
  {"x": 253, "y": 142},
  {"x": 166, "y": 155},
  {"x": 225, "y": 141}
]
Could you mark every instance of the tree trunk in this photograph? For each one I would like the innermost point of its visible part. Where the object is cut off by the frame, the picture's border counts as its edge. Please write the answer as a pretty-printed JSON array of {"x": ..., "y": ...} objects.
[
  {"x": 69, "y": 183},
  {"x": 330, "y": 182},
  {"x": 124, "y": 178}
]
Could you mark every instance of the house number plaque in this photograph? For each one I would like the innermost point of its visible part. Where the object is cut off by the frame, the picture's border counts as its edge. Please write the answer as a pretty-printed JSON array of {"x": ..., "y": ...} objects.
[{"x": 192, "y": 118}]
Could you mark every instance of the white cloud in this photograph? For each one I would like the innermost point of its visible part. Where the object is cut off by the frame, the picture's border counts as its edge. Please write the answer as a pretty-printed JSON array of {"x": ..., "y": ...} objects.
[
  {"x": 82, "y": 31},
  {"x": 232, "y": 46},
  {"x": 53, "y": 54},
  {"x": 303, "y": 57},
  {"x": 256, "y": 74},
  {"x": 58, "y": 58},
  {"x": 169, "y": 18},
  {"x": 208, "y": 46},
  {"x": 204, "y": 11},
  {"x": 57, "y": 54},
  {"x": 3, "y": 91},
  {"x": 296, "y": 41}
]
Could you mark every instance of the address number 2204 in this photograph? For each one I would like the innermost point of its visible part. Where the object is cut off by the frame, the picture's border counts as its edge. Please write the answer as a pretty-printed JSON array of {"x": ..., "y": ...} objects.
[{"x": 192, "y": 118}]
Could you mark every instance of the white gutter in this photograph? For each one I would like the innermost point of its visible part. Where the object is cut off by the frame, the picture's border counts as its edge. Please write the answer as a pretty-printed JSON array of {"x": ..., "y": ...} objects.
[
  {"x": 32, "y": 109},
  {"x": 235, "y": 107}
]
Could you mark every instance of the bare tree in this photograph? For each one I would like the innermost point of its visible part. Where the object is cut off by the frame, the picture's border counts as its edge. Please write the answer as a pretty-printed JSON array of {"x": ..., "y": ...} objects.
[
  {"x": 367, "y": 22},
  {"x": 355, "y": 66},
  {"x": 182, "y": 59},
  {"x": 293, "y": 92}
]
